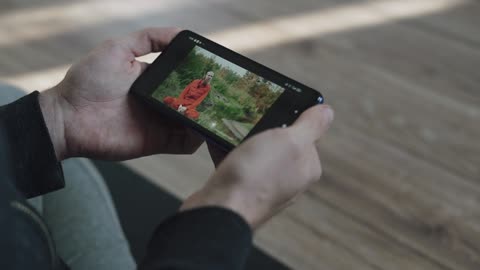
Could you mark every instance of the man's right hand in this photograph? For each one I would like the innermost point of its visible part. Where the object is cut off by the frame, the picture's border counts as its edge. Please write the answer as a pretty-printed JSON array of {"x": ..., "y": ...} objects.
[{"x": 264, "y": 174}]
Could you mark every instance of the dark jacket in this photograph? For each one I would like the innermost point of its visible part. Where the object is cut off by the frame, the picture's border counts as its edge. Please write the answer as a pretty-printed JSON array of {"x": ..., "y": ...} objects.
[{"x": 205, "y": 238}]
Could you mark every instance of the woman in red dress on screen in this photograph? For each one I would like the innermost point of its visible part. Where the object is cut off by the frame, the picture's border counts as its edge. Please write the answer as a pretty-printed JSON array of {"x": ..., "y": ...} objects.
[{"x": 191, "y": 96}]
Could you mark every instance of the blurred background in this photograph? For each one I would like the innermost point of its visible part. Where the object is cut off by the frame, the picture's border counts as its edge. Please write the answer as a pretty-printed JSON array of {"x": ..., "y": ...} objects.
[{"x": 401, "y": 183}]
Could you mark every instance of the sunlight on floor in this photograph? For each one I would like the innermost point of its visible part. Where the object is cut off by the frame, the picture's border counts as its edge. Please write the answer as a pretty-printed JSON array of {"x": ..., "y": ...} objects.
[
  {"x": 38, "y": 23},
  {"x": 32, "y": 24},
  {"x": 344, "y": 18}
]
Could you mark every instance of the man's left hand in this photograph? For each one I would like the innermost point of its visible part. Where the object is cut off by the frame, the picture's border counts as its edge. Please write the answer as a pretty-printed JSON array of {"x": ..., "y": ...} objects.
[{"x": 90, "y": 113}]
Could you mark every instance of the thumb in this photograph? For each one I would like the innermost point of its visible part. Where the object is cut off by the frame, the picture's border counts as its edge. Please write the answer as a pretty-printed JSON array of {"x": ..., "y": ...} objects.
[{"x": 313, "y": 123}]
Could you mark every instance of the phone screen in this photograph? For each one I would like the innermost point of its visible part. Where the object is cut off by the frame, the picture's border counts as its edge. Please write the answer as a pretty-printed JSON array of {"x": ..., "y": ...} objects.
[{"x": 217, "y": 94}]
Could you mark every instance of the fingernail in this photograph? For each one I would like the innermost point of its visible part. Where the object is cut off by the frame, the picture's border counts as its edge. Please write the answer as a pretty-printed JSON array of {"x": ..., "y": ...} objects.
[{"x": 328, "y": 113}]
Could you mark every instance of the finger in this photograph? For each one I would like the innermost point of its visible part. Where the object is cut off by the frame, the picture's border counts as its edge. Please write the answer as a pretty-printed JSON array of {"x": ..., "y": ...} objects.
[
  {"x": 149, "y": 40},
  {"x": 176, "y": 138},
  {"x": 143, "y": 65},
  {"x": 313, "y": 123}
]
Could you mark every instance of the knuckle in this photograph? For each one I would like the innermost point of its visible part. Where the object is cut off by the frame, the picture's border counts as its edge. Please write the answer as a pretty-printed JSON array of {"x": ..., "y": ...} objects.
[
  {"x": 109, "y": 44},
  {"x": 144, "y": 34},
  {"x": 174, "y": 29},
  {"x": 276, "y": 133},
  {"x": 115, "y": 47}
]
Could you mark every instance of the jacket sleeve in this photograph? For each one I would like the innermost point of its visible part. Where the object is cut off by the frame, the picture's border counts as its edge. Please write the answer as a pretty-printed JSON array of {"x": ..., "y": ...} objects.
[
  {"x": 33, "y": 163},
  {"x": 210, "y": 238}
]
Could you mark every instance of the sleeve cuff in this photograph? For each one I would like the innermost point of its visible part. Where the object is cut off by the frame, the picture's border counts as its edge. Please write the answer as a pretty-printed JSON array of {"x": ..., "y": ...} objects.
[
  {"x": 36, "y": 169},
  {"x": 203, "y": 238}
]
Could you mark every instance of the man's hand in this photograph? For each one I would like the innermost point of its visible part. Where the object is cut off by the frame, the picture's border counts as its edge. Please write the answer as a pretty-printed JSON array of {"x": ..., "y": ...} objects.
[
  {"x": 91, "y": 114},
  {"x": 264, "y": 174}
]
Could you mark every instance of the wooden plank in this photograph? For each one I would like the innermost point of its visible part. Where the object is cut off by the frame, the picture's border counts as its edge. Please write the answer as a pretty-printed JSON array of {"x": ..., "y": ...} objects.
[
  {"x": 304, "y": 250},
  {"x": 374, "y": 112},
  {"x": 401, "y": 181},
  {"x": 261, "y": 10},
  {"x": 302, "y": 247},
  {"x": 171, "y": 173},
  {"x": 175, "y": 178},
  {"x": 443, "y": 68},
  {"x": 313, "y": 242},
  {"x": 393, "y": 202},
  {"x": 433, "y": 77},
  {"x": 459, "y": 24},
  {"x": 414, "y": 203},
  {"x": 385, "y": 105},
  {"x": 364, "y": 243}
]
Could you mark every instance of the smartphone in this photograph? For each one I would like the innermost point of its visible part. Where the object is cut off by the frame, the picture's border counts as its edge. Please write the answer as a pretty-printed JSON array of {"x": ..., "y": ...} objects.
[{"x": 223, "y": 95}]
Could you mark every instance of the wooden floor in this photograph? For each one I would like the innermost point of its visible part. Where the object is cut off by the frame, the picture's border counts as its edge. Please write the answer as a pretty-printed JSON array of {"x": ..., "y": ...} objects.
[{"x": 401, "y": 183}]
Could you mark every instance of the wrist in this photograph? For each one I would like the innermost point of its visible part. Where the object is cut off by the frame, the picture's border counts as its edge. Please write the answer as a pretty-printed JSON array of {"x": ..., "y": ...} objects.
[{"x": 53, "y": 115}]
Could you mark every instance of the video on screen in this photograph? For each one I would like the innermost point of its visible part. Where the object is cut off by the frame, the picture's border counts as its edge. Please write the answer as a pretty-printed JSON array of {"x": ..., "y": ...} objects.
[{"x": 217, "y": 94}]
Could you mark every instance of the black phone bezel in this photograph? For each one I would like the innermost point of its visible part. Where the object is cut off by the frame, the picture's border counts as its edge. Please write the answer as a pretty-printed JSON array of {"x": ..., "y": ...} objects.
[{"x": 295, "y": 99}]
